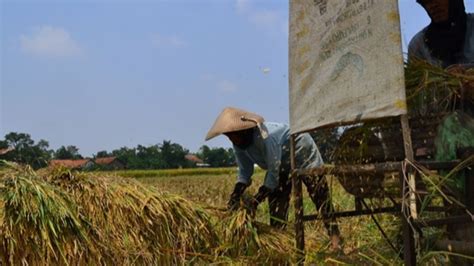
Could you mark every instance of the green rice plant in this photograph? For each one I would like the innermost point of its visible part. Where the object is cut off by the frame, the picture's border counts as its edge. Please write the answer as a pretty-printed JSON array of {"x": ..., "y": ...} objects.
[{"x": 175, "y": 172}]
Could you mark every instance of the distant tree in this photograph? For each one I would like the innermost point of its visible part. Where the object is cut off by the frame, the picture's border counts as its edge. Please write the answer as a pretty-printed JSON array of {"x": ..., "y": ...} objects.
[
  {"x": 168, "y": 155},
  {"x": 70, "y": 152},
  {"x": 217, "y": 157},
  {"x": 25, "y": 150},
  {"x": 102, "y": 154},
  {"x": 231, "y": 157},
  {"x": 149, "y": 157},
  {"x": 173, "y": 155},
  {"x": 128, "y": 156}
]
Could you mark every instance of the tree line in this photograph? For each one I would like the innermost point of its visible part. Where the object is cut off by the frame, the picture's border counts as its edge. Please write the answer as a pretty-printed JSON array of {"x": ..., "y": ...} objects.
[{"x": 165, "y": 155}]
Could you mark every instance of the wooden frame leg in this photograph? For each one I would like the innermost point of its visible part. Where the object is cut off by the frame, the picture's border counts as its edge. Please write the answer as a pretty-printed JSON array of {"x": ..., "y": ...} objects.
[
  {"x": 298, "y": 202},
  {"x": 299, "y": 225},
  {"x": 358, "y": 203},
  {"x": 409, "y": 254}
]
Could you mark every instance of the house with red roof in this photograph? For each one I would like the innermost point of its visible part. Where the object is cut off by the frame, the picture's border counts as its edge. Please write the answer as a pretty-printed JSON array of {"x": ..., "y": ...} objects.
[
  {"x": 78, "y": 164},
  {"x": 110, "y": 163}
]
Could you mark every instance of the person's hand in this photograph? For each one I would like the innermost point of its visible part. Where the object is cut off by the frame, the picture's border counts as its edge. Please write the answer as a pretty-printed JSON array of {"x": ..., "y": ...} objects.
[
  {"x": 261, "y": 195},
  {"x": 234, "y": 202}
]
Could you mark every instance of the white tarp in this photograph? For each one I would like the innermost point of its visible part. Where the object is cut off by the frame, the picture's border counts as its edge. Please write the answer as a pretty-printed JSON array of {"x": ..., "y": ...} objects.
[{"x": 346, "y": 62}]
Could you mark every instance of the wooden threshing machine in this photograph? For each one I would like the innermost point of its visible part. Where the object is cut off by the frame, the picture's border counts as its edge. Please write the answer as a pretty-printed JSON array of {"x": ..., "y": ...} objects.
[{"x": 347, "y": 68}]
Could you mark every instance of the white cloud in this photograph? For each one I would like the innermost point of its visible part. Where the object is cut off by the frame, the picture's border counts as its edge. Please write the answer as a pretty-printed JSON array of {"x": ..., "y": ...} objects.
[
  {"x": 50, "y": 41},
  {"x": 265, "y": 18},
  {"x": 207, "y": 77},
  {"x": 167, "y": 41},
  {"x": 222, "y": 85},
  {"x": 242, "y": 5},
  {"x": 262, "y": 19},
  {"x": 227, "y": 86}
]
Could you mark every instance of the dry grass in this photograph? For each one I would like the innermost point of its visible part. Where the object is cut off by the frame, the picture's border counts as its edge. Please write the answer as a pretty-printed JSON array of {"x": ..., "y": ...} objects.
[
  {"x": 74, "y": 218},
  {"x": 431, "y": 88},
  {"x": 60, "y": 217},
  {"x": 360, "y": 234}
]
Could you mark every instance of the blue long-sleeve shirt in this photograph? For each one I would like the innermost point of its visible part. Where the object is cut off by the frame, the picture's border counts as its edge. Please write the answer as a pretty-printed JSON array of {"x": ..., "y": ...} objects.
[
  {"x": 418, "y": 48},
  {"x": 273, "y": 154}
]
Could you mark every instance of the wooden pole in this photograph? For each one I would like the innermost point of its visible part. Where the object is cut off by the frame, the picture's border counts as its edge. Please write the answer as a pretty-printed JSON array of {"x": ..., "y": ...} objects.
[
  {"x": 409, "y": 187},
  {"x": 409, "y": 255},
  {"x": 411, "y": 175},
  {"x": 298, "y": 201}
]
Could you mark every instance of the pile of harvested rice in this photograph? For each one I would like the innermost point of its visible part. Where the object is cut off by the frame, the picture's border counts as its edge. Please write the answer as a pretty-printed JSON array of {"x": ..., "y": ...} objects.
[
  {"x": 431, "y": 92},
  {"x": 432, "y": 88},
  {"x": 59, "y": 217},
  {"x": 243, "y": 237}
]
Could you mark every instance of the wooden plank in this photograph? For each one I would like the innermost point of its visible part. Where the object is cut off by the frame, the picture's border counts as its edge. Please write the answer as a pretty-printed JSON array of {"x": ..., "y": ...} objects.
[
  {"x": 298, "y": 203},
  {"x": 354, "y": 213},
  {"x": 409, "y": 256},
  {"x": 461, "y": 247},
  {"x": 459, "y": 219},
  {"x": 374, "y": 168},
  {"x": 356, "y": 169}
]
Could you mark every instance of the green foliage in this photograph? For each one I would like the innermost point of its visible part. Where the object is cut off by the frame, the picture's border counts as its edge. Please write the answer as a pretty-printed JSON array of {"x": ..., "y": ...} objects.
[
  {"x": 217, "y": 157},
  {"x": 102, "y": 154},
  {"x": 172, "y": 155},
  {"x": 166, "y": 155},
  {"x": 126, "y": 155},
  {"x": 70, "y": 152},
  {"x": 25, "y": 150},
  {"x": 177, "y": 172}
]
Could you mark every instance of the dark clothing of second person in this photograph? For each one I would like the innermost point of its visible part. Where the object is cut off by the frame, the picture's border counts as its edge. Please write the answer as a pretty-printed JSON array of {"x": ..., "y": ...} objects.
[{"x": 446, "y": 43}]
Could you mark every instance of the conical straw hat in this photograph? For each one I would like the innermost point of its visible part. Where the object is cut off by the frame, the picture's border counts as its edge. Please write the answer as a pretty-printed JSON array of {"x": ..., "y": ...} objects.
[{"x": 233, "y": 119}]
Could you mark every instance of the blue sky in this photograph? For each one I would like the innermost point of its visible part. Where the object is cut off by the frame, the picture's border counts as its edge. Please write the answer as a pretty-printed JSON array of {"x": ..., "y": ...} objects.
[{"x": 105, "y": 74}]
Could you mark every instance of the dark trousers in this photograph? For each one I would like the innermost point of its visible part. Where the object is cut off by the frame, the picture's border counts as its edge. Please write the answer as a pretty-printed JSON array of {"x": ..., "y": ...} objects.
[{"x": 318, "y": 190}]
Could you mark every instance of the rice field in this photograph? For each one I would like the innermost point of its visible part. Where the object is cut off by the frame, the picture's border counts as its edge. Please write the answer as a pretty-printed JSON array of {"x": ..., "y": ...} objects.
[
  {"x": 361, "y": 238},
  {"x": 362, "y": 241},
  {"x": 55, "y": 216}
]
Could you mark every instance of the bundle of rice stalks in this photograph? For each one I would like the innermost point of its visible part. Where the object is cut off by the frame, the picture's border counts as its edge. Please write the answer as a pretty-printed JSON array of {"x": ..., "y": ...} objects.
[
  {"x": 62, "y": 217},
  {"x": 431, "y": 88},
  {"x": 134, "y": 224},
  {"x": 251, "y": 241},
  {"x": 66, "y": 218},
  {"x": 40, "y": 223}
]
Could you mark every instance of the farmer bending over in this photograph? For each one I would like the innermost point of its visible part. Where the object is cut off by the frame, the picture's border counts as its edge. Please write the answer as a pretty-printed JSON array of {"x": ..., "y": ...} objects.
[
  {"x": 268, "y": 145},
  {"x": 449, "y": 38}
]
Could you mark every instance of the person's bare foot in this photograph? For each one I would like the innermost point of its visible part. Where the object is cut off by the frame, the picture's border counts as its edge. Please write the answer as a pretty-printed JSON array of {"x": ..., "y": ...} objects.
[{"x": 336, "y": 243}]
